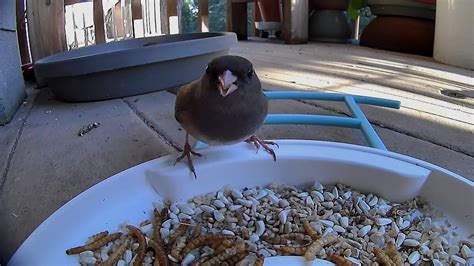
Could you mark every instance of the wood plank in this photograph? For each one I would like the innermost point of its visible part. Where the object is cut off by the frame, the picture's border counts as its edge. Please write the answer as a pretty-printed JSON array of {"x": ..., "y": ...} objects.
[
  {"x": 165, "y": 28},
  {"x": 203, "y": 16},
  {"x": 174, "y": 15},
  {"x": 179, "y": 10},
  {"x": 136, "y": 15},
  {"x": 295, "y": 21},
  {"x": 309, "y": 74},
  {"x": 137, "y": 9},
  {"x": 346, "y": 62},
  {"x": 46, "y": 30},
  {"x": 99, "y": 28},
  {"x": 251, "y": 28},
  {"x": 257, "y": 17},
  {"x": 118, "y": 20},
  {"x": 237, "y": 19}
]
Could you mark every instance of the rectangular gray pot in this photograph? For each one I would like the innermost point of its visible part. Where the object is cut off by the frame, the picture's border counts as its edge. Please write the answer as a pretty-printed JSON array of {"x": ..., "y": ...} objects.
[{"x": 131, "y": 67}]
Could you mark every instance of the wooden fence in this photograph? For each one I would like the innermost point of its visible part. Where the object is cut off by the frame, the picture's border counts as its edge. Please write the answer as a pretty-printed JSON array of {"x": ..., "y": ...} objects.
[{"x": 46, "y": 20}]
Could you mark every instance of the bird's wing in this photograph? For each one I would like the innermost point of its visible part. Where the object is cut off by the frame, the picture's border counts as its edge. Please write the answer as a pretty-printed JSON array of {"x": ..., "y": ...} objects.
[{"x": 185, "y": 103}]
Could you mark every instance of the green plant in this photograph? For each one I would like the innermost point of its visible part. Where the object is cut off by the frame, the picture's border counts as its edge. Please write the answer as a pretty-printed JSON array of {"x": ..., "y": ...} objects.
[
  {"x": 355, "y": 7},
  {"x": 217, "y": 15}
]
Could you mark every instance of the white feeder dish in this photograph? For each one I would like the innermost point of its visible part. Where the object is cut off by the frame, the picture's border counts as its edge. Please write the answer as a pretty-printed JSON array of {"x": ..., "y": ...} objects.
[{"x": 128, "y": 196}]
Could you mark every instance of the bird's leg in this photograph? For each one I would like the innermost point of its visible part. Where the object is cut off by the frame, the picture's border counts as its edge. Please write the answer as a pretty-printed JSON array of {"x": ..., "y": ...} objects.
[
  {"x": 255, "y": 143},
  {"x": 264, "y": 143},
  {"x": 187, "y": 151}
]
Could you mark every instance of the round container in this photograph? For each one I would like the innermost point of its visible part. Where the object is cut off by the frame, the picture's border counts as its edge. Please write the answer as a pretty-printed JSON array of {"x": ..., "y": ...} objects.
[
  {"x": 329, "y": 26},
  {"x": 128, "y": 196},
  {"x": 400, "y": 34},
  {"x": 454, "y": 33},
  {"x": 331, "y": 4},
  {"x": 270, "y": 10},
  {"x": 404, "y": 8}
]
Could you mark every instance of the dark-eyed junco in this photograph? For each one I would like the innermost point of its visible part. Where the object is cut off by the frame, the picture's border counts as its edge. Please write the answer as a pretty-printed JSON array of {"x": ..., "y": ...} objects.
[{"x": 225, "y": 106}]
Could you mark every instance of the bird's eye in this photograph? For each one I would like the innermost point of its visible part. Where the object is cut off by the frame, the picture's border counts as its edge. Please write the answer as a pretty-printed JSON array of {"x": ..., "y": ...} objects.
[
  {"x": 250, "y": 73},
  {"x": 207, "y": 69}
]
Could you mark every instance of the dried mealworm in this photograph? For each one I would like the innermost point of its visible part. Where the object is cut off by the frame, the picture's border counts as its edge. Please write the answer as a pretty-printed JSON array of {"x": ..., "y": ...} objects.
[
  {"x": 165, "y": 214},
  {"x": 259, "y": 261},
  {"x": 161, "y": 259},
  {"x": 157, "y": 217},
  {"x": 309, "y": 230},
  {"x": 340, "y": 260},
  {"x": 172, "y": 263},
  {"x": 195, "y": 243},
  {"x": 283, "y": 239},
  {"x": 196, "y": 232},
  {"x": 237, "y": 258},
  {"x": 181, "y": 230},
  {"x": 296, "y": 237},
  {"x": 146, "y": 222},
  {"x": 140, "y": 251},
  {"x": 317, "y": 245},
  {"x": 157, "y": 224},
  {"x": 98, "y": 236},
  {"x": 204, "y": 240},
  {"x": 289, "y": 250},
  {"x": 274, "y": 240},
  {"x": 114, "y": 257},
  {"x": 94, "y": 245},
  {"x": 221, "y": 257},
  {"x": 199, "y": 261},
  {"x": 177, "y": 247},
  {"x": 391, "y": 251},
  {"x": 221, "y": 246},
  {"x": 382, "y": 257}
]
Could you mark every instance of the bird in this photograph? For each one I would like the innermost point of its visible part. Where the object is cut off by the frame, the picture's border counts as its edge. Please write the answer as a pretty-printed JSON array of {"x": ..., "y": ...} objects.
[{"x": 224, "y": 107}]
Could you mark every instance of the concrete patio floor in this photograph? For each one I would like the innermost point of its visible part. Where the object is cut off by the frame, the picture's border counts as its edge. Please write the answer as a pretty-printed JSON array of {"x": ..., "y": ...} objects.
[{"x": 44, "y": 163}]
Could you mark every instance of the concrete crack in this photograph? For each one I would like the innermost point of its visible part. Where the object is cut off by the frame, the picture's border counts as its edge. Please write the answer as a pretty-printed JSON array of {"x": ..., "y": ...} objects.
[
  {"x": 13, "y": 149},
  {"x": 151, "y": 126},
  {"x": 5, "y": 29}
]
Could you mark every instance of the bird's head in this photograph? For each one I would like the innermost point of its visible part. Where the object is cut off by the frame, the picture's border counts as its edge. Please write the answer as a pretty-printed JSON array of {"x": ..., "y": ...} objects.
[{"x": 230, "y": 73}]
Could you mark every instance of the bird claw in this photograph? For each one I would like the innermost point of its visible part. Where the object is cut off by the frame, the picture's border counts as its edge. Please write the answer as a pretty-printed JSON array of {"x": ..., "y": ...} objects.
[
  {"x": 187, "y": 151},
  {"x": 255, "y": 143},
  {"x": 264, "y": 143},
  {"x": 195, "y": 153}
]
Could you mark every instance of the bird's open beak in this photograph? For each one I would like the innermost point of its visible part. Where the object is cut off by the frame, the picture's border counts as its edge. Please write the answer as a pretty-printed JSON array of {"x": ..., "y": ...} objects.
[{"x": 226, "y": 83}]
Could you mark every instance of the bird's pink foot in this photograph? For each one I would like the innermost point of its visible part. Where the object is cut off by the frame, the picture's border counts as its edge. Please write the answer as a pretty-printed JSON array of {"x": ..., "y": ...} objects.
[
  {"x": 187, "y": 151},
  {"x": 264, "y": 143}
]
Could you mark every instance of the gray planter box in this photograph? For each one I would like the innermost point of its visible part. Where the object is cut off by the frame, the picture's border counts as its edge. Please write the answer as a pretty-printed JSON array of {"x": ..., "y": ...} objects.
[{"x": 131, "y": 67}]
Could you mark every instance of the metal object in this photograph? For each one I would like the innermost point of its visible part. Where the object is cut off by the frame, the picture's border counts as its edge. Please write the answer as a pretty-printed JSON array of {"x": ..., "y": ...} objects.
[{"x": 358, "y": 119}]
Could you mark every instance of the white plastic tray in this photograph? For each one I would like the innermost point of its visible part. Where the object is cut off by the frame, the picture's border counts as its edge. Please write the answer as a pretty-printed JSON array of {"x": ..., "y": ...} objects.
[{"x": 128, "y": 196}]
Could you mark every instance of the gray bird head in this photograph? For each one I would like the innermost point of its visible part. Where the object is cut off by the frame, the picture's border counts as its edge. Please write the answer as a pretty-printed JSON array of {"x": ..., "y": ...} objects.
[{"x": 230, "y": 73}]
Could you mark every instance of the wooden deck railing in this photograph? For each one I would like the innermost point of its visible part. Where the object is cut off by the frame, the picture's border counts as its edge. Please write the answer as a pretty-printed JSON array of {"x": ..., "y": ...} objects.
[{"x": 46, "y": 21}]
